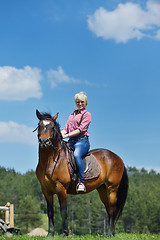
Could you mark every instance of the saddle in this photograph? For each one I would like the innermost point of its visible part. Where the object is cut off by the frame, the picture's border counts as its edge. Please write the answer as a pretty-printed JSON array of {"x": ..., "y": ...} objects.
[
  {"x": 72, "y": 160},
  {"x": 90, "y": 163}
]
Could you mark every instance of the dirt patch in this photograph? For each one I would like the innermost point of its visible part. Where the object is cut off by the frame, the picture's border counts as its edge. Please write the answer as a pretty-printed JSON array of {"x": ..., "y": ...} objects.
[{"x": 38, "y": 232}]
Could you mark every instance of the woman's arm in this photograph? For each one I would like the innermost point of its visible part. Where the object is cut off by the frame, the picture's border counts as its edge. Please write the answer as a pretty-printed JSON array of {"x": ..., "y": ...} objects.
[{"x": 71, "y": 134}]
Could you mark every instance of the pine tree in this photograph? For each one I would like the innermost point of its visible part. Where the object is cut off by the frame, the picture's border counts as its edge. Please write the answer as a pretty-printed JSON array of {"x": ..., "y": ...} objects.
[{"x": 28, "y": 214}]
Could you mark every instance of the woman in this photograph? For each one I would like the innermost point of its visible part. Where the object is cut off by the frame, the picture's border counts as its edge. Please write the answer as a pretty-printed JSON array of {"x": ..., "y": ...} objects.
[{"x": 76, "y": 129}]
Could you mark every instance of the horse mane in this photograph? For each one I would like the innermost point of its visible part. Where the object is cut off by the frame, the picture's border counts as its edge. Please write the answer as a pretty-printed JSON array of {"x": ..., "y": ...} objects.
[{"x": 46, "y": 115}]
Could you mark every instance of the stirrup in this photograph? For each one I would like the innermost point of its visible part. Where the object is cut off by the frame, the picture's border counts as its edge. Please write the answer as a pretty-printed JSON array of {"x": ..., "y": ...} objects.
[{"x": 80, "y": 188}]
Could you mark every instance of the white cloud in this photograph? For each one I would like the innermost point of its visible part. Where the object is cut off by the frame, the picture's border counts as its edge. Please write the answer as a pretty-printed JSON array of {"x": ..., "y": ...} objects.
[
  {"x": 127, "y": 21},
  {"x": 59, "y": 76},
  {"x": 158, "y": 35},
  {"x": 20, "y": 84},
  {"x": 16, "y": 133}
]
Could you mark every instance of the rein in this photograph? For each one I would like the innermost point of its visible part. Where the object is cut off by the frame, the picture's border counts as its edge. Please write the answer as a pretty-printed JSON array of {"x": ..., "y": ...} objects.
[
  {"x": 35, "y": 129},
  {"x": 54, "y": 130},
  {"x": 55, "y": 162},
  {"x": 56, "y": 148}
]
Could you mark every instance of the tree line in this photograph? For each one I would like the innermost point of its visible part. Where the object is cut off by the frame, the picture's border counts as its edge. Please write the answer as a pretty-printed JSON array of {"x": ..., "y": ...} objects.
[{"x": 86, "y": 213}]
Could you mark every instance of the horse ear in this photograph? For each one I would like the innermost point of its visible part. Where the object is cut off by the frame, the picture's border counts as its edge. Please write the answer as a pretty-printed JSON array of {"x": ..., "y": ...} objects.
[
  {"x": 55, "y": 117},
  {"x": 39, "y": 116}
]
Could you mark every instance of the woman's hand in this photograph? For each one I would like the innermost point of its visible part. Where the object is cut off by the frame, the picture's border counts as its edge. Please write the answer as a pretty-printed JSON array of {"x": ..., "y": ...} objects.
[
  {"x": 64, "y": 134},
  {"x": 71, "y": 134}
]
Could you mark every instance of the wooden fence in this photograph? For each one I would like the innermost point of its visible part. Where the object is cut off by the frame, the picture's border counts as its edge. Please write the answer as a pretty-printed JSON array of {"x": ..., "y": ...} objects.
[{"x": 8, "y": 222}]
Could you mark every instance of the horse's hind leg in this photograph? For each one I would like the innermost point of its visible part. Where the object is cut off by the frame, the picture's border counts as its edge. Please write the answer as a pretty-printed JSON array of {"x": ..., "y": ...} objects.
[
  {"x": 109, "y": 200},
  {"x": 112, "y": 213}
]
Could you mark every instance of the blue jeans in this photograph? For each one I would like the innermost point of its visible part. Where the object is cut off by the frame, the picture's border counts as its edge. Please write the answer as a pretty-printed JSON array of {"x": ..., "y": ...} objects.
[{"x": 81, "y": 146}]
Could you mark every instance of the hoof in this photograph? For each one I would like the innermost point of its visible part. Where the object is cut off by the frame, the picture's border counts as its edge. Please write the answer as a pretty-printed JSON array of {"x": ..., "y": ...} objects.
[
  {"x": 65, "y": 234},
  {"x": 50, "y": 234},
  {"x": 110, "y": 235}
]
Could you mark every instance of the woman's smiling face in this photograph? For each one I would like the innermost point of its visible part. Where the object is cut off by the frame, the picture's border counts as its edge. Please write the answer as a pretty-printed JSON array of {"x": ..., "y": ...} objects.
[{"x": 80, "y": 104}]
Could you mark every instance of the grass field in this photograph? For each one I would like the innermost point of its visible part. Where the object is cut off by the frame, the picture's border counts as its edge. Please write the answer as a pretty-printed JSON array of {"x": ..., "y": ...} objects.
[{"x": 87, "y": 237}]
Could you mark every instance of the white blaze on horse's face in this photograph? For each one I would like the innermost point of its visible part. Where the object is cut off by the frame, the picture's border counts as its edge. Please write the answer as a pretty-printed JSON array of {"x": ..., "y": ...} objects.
[
  {"x": 44, "y": 134},
  {"x": 45, "y": 124}
]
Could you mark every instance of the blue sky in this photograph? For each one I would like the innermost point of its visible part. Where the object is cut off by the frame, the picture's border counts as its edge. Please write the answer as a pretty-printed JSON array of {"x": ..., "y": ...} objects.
[{"x": 52, "y": 49}]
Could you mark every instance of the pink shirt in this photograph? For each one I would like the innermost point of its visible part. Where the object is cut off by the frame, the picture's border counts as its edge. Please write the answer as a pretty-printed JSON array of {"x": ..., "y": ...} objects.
[{"x": 74, "y": 120}]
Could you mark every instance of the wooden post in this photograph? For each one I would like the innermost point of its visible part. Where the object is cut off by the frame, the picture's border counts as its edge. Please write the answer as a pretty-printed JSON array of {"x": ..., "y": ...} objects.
[
  {"x": 7, "y": 220},
  {"x": 11, "y": 216}
]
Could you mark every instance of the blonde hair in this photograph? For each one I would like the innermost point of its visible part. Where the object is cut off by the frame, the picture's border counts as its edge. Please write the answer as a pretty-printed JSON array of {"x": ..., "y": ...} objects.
[{"x": 82, "y": 96}]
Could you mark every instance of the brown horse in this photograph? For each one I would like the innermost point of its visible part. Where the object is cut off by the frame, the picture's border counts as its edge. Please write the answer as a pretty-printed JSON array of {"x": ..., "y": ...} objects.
[{"x": 53, "y": 175}]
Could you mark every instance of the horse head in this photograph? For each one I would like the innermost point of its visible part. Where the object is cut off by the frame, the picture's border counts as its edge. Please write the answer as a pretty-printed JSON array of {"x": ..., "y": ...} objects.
[{"x": 48, "y": 130}]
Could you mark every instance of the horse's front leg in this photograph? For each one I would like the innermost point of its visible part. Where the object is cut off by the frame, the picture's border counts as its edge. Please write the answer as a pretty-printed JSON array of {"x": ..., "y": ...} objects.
[
  {"x": 63, "y": 208},
  {"x": 50, "y": 213}
]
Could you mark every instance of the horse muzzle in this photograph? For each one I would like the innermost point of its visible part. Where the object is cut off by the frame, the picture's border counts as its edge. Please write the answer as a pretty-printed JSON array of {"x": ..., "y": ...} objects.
[{"x": 45, "y": 142}]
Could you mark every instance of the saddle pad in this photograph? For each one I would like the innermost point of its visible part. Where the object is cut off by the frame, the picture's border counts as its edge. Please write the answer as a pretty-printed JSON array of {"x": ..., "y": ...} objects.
[{"x": 93, "y": 168}]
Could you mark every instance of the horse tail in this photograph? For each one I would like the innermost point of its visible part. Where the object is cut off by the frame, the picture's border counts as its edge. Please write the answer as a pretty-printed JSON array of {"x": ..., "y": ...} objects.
[{"x": 121, "y": 194}]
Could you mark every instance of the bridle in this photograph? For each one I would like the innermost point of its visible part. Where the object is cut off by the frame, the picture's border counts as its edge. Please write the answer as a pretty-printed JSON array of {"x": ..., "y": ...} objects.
[
  {"x": 48, "y": 123},
  {"x": 49, "y": 140}
]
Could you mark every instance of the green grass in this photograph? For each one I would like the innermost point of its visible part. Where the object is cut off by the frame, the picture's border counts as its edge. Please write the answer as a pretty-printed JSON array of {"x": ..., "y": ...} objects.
[
  {"x": 88, "y": 237},
  {"x": 44, "y": 222}
]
